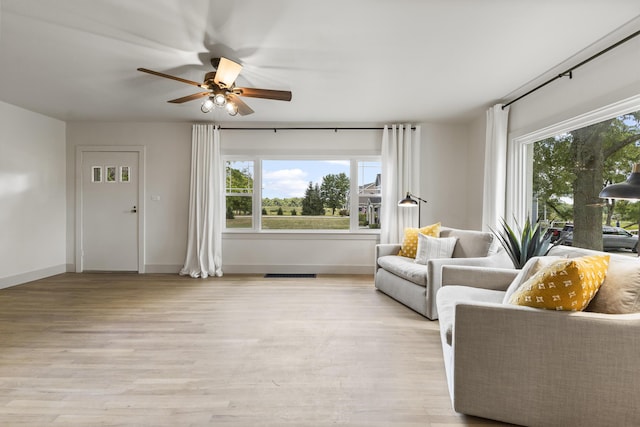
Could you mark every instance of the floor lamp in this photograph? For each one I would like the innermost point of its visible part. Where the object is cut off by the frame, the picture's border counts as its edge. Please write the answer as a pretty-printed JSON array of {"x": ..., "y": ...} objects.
[
  {"x": 628, "y": 190},
  {"x": 411, "y": 201}
]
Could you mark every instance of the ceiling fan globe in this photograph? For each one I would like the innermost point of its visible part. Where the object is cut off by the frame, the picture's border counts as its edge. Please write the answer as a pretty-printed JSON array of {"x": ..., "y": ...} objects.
[{"x": 207, "y": 106}]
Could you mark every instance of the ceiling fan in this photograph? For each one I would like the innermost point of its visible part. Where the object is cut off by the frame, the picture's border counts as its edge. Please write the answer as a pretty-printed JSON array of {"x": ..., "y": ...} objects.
[{"x": 221, "y": 90}]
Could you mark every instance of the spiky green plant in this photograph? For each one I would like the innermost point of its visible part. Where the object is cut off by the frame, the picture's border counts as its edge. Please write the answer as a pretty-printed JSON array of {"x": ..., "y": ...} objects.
[{"x": 523, "y": 243}]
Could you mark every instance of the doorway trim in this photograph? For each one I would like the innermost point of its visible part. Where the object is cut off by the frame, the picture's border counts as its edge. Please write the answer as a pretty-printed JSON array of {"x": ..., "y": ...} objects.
[{"x": 80, "y": 150}]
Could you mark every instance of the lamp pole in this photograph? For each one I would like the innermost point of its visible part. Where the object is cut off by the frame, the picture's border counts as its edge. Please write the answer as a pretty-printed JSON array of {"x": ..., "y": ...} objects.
[{"x": 423, "y": 201}]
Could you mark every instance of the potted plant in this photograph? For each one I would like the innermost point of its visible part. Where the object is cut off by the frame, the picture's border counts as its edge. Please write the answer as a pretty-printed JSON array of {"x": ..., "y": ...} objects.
[{"x": 525, "y": 242}]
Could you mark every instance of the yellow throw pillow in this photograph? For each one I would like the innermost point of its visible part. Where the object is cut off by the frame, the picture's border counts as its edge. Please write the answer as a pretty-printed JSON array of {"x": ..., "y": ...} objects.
[
  {"x": 567, "y": 284},
  {"x": 410, "y": 240}
]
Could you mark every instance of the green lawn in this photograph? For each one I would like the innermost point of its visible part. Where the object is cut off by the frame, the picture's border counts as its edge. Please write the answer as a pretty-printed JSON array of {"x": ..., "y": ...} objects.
[{"x": 297, "y": 222}]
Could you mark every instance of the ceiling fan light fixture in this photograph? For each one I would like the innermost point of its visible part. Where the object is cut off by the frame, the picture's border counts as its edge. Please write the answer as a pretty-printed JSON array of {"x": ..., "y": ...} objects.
[
  {"x": 227, "y": 72},
  {"x": 231, "y": 108},
  {"x": 219, "y": 100},
  {"x": 207, "y": 106},
  {"x": 220, "y": 89}
]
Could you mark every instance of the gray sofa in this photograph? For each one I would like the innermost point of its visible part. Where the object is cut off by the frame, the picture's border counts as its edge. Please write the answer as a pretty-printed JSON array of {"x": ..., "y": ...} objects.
[
  {"x": 539, "y": 367},
  {"x": 415, "y": 285}
]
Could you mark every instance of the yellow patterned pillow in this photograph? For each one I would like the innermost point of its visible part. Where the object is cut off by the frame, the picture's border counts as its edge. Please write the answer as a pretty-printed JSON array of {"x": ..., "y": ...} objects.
[
  {"x": 410, "y": 240},
  {"x": 567, "y": 284}
]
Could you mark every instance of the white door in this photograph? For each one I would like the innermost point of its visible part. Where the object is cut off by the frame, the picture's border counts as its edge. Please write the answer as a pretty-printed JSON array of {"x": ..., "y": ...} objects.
[{"x": 110, "y": 210}]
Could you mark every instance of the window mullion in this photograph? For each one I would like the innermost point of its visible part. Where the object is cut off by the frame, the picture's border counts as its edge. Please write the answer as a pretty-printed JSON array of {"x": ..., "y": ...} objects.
[{"x": 257, "y": 194}]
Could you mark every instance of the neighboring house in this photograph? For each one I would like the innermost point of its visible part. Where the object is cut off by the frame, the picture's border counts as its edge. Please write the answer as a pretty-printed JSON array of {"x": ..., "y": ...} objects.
[{"x": 369, "y": 200}]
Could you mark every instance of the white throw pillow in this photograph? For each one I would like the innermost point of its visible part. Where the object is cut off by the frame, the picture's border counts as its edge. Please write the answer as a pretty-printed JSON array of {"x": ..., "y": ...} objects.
[
  {"x": 434, "y": 247},
  {"x": 532, "y": 266}
]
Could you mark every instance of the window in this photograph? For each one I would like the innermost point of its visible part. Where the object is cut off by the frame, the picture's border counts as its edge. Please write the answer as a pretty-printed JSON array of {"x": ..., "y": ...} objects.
[
  {"x": 369, "y": 194},
  {"x": 303, "y": 194},
  {"x": 239, "y": 181},
  {"x": 570, "y": 167}
]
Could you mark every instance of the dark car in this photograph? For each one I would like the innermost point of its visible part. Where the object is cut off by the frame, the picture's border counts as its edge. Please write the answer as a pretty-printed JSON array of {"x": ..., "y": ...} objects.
[
  {"x": 612, "y": 238},
  {"x": 554, "y": 233}
]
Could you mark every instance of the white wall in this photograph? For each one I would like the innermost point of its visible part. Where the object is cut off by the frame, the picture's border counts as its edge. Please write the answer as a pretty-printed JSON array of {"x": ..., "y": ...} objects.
[
  {"x": 475, "y": 167},
  {"x": 32, "y": 196},
  {"x": 167, "y": 169},
  {"x": 612, "y": 77},
  {"x": 444, "y": 177},
  {"x": 168, "y": 151}
]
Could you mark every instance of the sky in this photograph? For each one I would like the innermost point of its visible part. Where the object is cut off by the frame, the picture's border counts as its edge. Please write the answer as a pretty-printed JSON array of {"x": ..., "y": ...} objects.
[{"x": 290, "y": 178}]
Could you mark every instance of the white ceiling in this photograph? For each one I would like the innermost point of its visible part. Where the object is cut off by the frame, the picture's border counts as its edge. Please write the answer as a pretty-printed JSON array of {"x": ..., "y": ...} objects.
[{"x": 346, "y": 61}]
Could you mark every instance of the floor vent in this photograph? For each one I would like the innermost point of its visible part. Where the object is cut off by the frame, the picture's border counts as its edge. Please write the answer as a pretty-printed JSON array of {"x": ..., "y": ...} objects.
[{"x": 290, "y": 275}]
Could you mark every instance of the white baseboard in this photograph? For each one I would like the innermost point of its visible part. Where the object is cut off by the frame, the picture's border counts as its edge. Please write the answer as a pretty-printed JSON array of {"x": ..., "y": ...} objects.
[
  {"x": 260, "y": 269},
  {"x": 30, "y": 276},
  {"x": 296, "y": 269},
  {"x": 162, "y": 268}
]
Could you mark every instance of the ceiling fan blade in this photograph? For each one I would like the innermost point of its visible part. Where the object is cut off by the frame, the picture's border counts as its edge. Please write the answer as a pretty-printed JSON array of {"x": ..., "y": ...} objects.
[
  {"x": 227, "y": 72},
  {"x": 167, "y": 76},
  {"x": 189, "y": 97},
  {"x": 243, "y": 109},
  {"x": 280, "y": 95}
]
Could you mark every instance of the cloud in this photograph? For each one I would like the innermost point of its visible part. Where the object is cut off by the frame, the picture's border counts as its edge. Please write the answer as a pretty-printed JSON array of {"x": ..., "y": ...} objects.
[
  {"x": 338, "y": 162},
  {"x": 284, "y": 183}
]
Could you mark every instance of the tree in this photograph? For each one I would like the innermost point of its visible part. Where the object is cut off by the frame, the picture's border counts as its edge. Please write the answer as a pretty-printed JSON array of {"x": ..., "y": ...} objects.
[
  {"x": 579, "y": 164},
  {"x": 553, "y": 178},
  {"x": 617, "y": 168},
  {"x": 312, "y": 202},
  {"x": 239, "y": 182},
  {"x": 334, "y": 191}
]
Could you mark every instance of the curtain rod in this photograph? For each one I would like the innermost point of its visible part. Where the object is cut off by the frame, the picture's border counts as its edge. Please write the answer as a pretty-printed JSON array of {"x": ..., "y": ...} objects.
[
  {"x": 335, "y": 129},
  {"x": 569, "y": 72}
]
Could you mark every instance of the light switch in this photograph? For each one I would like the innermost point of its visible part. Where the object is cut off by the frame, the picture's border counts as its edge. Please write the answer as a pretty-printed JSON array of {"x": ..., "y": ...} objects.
[{"x": 155, "y": 198}]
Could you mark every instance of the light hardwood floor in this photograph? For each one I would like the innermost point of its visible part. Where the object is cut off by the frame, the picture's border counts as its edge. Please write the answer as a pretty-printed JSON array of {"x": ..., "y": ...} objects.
[{"x": 164, "y": 350}]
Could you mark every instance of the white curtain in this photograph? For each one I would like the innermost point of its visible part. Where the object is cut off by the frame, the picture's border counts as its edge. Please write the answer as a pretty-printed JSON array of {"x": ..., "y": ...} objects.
[
  {"x": 495, "y": 167},
  {"x": 204, "y": 246},
  {"x": 400, "y": 174}
]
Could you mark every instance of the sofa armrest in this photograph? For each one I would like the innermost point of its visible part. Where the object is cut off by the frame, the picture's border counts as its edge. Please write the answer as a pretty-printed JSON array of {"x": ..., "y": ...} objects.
[
  {"x": 497, "y": 279},
  {"x": 539, "y": 367},
  {"x": 434, "y": 274},
  {"x": 384, "y": 249}
]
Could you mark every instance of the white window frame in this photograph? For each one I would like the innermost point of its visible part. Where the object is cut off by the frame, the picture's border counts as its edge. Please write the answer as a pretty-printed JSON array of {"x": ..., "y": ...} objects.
[
  {"x": 354, "y": 227},
  {"x": 520, "y": 153},
  {"x": 257, "y": 184}
]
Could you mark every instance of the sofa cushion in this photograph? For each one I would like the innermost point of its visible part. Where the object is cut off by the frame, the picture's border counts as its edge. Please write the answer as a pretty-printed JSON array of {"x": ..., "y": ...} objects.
[
  {"x": 567, "y": 284},
  {"x": 620, "y": 292},
  {"x": 410, "y": 240},
  {"x": 449, "y": 296},
  {"x": 532, "y": 266},
  {"x": 404, "y": 267},
  {"x": 434, "y": 247},
  {"x": 471, "y": 243}
]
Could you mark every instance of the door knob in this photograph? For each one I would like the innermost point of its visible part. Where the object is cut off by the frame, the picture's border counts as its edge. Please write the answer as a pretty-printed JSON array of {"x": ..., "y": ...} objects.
[{"x": 134, "y": 210}]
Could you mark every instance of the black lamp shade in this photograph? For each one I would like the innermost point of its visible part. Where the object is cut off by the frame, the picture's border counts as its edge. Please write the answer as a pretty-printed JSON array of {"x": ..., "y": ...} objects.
[
  {"x": 408, "y": 201},
  {"x": 630, "y": 189}
]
